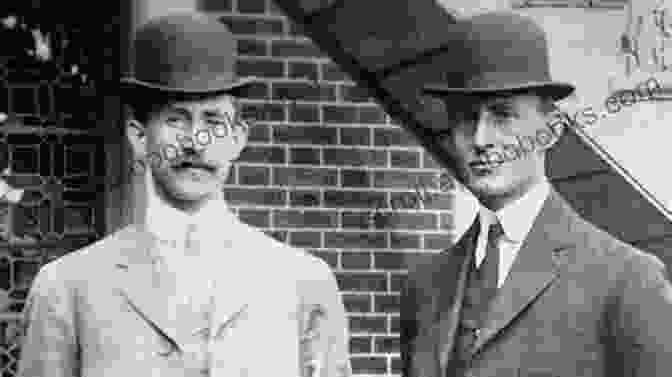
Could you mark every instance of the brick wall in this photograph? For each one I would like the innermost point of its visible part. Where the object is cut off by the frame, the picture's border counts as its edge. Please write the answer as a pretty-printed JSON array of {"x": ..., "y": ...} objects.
[{"x": 327, "y": 170}]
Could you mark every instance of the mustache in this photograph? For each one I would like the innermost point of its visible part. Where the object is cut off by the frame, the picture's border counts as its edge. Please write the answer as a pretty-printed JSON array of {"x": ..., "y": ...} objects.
[{"x": 189, "y": 162}]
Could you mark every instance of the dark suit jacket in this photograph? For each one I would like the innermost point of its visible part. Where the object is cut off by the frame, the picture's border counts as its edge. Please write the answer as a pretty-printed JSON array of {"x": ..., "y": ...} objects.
[{"x": 577, "y": 303}]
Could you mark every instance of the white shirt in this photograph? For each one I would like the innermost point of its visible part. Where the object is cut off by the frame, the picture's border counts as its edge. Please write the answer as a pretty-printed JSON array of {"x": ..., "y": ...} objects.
[{"x": 516, "y": 220}]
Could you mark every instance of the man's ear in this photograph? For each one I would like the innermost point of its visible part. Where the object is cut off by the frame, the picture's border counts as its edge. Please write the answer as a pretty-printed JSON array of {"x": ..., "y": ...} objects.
[{"x": 135, "y": 132}]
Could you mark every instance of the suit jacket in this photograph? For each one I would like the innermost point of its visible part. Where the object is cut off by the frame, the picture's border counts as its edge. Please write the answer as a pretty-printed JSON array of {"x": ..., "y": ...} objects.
[
  {"x": 577, "y": 303},
  {"x": 106, "y": 311}
]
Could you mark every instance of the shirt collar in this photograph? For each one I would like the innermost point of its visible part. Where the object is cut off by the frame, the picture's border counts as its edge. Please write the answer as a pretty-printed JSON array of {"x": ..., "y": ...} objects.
[
  {"x": 517, "y": 217},
  {"x": 170, "y": 224}
]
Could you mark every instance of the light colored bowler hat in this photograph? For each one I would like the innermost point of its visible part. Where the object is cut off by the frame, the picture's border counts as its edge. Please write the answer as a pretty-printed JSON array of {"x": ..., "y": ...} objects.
[
  {"x": 500, "y": 52},
  {"x": 184, "y": 53}
]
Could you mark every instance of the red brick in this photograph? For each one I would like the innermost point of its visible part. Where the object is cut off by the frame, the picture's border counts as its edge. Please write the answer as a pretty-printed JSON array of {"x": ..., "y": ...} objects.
[
  {"x": 357, "y": 303},
  {"x": 305, "y": 198},
  {"x": 352, "y": 199},
  {"x": 371, "y": 114},
  {"x": 250, "y": 25},
  {"x": 258, "y": 196},
  {"x": 395, "y": 325},
  {"x": 304, "y": 156},
  {"x": 260, "y": 112},
  {"x": 259, "y": 133},
  {"x": 275, "y": 9},
  {"x": 259, "y": 67},
  {"x": 303, "y": 91},
  {"x": 403, "y": 179},
  {"x": 396, "y": 365},
  {"x": 263, "y": 154},
  {"x": 368, "y": 324},
  {"x": 302, "y": 219},
  {"x": 251, "y": 47},
  {"x": 399, "y": 240},
  {"x": 363, "y": 240},
  {"x": 447, "y": 222},
  {"x": 355, "y": 93},
  {"x": 386, "y": 344},
  {"x": 405, "y": 200},
  {"x": 355, "y": 178},
  {"x": 254, "y": 217},
  {"x": 397, "y": 281},
  {"x": 339, "y": 114},
  {"x": 354, "y": 157},
  {"x": 315, "y": 135},
  {"x": 389, "y": 261},
  {"x": 304, "y": 176},
  {"x": 386, "y": 303},
  {"x": 370, "y": 365},
  {"x": 303, "y": 70},
  {"x": 330, "y": 257},
  {"x": 355, "y": 135},
  {"x": 412, "y": 221},
  {"x": 356, "y": 260},
  {"x": 293, "y": 48},
  {"x": 252, "y": 6},
  {"x": 254, "y": 175},
  {"x": 357, "y": 220},
  {"x": 393, "y": 137},
  {"x": 305, "y": 239},
  {"x": 352, "y": 114},
  {"x": 280, "y": 235},
  {"x": 360, "y": 344},
  {"x": 332, "y": 72},
  {"x": 300, "y": 112},
  {"x": 362, "y": 281},
  {"x": 441, "y": 201},
  {"x": 215, "y": 5},
  {"x": 440, "y": 241},
  {"x": 405, "y": 159}
]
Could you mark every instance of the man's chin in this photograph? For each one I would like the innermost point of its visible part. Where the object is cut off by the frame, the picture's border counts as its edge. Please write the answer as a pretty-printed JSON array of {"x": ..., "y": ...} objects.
[{"x": 488, "y": 186}]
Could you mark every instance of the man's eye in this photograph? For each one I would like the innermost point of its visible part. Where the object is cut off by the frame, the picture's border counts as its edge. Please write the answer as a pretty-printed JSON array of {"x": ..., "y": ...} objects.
[
  {"x": 174, "y": 122},
  {"x": 218, "y": 122}
]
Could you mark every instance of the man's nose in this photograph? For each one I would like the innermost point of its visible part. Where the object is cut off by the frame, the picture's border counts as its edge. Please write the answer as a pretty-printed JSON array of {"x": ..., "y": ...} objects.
[{"x": 483, "y": 133}]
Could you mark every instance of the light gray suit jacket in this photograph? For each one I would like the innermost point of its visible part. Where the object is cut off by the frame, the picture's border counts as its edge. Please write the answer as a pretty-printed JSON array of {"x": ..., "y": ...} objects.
[
  {"x": 105, "y": 311},
  {"x": 577, "y": 303}
]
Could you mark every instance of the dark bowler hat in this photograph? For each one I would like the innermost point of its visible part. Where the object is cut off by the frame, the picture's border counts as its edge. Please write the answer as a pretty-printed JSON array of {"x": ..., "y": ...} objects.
[
  {"x": 500, "y": 52},
  {"x": 184, "y": 53}
]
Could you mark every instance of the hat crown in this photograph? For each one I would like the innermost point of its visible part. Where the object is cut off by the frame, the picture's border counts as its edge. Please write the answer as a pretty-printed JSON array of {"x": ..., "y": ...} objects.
[
  {"x": 500, "y": 42},
  {"x": 186, "y": 52},
  {"x": 499, "y": 51}
]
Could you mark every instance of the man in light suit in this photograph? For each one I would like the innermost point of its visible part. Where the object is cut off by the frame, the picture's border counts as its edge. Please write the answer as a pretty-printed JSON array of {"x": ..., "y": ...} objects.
[
  {"x": 531, "y": 289},
  {"x": 188, "y": 290}
]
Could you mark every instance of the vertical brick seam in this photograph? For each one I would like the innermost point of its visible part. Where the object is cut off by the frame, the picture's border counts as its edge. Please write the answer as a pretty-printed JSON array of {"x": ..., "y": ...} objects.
[{"x": 326, "y": 169}]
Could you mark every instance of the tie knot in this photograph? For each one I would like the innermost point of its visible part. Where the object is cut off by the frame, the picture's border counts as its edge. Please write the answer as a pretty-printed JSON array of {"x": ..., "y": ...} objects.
[{"x": 495, "y": 231}]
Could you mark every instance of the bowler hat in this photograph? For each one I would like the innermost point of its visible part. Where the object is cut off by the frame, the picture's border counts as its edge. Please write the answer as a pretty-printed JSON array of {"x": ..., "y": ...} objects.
[
  {"x": 500, "y": 52},
  {"x": 184, "y": 53}
]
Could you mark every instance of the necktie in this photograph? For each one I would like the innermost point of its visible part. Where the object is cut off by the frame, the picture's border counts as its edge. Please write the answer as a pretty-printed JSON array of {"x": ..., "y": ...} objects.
[{"x": 480, "y": 290}]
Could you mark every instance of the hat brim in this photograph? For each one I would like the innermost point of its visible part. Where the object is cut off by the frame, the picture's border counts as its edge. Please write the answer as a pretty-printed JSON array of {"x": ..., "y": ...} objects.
[
  {"x": 555, "y": 90},
  {"x": 213, "y": 87}
]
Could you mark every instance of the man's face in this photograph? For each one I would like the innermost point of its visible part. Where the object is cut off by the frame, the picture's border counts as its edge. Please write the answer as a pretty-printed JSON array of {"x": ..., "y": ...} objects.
[
  {"x": 190, "y": 145},
  {"x": 485, "y": 135}
]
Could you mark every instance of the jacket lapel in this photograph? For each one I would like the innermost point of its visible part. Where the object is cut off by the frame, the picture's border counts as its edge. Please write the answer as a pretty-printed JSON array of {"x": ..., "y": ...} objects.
[
  {"x": 152, "y": 293},
  {"x": 536, "y": 266},
  {"x": 452, "y": 272}
]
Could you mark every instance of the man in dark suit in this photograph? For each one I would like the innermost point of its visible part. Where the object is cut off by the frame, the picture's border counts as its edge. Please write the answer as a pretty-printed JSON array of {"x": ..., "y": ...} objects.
[{"x": 531, "y": 289}]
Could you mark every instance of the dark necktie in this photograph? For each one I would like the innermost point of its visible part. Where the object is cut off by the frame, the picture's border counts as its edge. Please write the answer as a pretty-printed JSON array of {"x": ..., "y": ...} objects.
[{"x": 480, "y": 290}]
